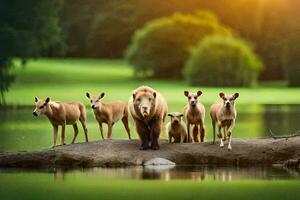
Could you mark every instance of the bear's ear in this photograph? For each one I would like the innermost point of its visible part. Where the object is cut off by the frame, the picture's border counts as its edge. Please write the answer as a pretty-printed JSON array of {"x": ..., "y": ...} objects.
[
  {"x": 199, "y": 93},
  {"x": 236, "y": 95},
  {"x": 154, "y": 94},
  {"x": 47, "y": 100},
  {"x": 88, "y": 95},
  {"x": 36, "y": 99},
  {"x": 186, "y": 93},
  {"x": 101, "y": 95},
  {"x": 222, "y": 95},
  {"x": 133, "y": 96}
]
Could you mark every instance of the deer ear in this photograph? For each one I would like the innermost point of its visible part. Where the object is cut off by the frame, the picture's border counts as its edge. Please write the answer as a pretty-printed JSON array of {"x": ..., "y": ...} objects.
[
  {"x": 222, "y": 95},
  {"x": 101, "y": 95},
  {"x": 47, "y": 100},
  {"x": 88, "y": 95},
  {"x": 36, "y": 99},
  {"x": 154, "y": 94},
  {"x": 236, "y": 95},
  {"x": 186, "y": 93},
  {"x": 199, "y": 93}
]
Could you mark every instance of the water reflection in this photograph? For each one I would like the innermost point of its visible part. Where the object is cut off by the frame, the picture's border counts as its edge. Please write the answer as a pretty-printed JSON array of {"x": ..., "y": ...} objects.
[
  {"x": 282, "y": 119},
  {"x": 196, "y": 173}
]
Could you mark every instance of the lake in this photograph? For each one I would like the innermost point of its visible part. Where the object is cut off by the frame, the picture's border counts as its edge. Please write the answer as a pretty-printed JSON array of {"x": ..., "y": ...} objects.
[{"x": 20, "y": 130}]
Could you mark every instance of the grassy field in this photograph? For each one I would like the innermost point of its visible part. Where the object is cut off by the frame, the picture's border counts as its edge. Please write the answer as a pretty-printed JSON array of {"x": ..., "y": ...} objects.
[
  {"x": 78, "y": 185},
  {"x": 70, "y": 79}
]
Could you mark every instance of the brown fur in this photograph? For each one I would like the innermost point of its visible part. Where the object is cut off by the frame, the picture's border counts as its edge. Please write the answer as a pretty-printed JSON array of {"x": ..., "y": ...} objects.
[
  {"x": 195, "y": 134},
  {"x": 109, "y": 113},
  {"x": 148, "y": 109},
  {"x": 176, "y": 128},
  {"x": 194, "y": 113},
  {"x": 62, "y": 114},
  {"x": 224, "y": 117}
]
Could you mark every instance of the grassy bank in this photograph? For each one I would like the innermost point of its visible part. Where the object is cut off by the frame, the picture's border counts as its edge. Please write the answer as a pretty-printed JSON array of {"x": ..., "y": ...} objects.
[
  {"x": 70, "y": 79},
  {"x": 78, "y": 186}
]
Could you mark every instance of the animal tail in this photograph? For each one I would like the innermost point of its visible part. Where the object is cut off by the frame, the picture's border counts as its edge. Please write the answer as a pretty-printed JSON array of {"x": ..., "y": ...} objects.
[{"x": 195, "y": 133}]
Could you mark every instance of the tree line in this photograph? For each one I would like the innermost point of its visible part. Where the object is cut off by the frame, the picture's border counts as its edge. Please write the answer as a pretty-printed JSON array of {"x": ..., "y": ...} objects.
[
  {"x": 105, "y": 29},
  {"x": 95, "y": 28}
]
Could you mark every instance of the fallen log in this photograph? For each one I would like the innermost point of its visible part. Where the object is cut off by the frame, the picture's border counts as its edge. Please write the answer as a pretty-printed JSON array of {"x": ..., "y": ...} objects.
[
  {"x": 114, "y": 153},
  {"x": 297, "y": 134}
]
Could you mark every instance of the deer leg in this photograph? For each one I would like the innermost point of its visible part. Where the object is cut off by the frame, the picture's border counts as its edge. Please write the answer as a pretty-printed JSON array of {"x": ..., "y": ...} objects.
[
  {"x": 189, "y": 138},
  {"x": 101, "y": 130},
  {"x": 75, "y": 127},
  {"x": 126, "y": 124},
  {"x": 63, "y": 130},
  {"x": 83, "y": 123},
  {"x": 220, "y": 135},
  {"x": 230, "y": 134},
  {"x": 202, "y": 132},
  {"x": 109, "y": 133},
  {"x": 55, "y": 130},
  {"x": 170, "y": 138},
  {"x": 214, "y": 132}
]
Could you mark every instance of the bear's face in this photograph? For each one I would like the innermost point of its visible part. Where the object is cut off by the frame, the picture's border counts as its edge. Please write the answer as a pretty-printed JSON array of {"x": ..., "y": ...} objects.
[{"x": 144, "y": 102}]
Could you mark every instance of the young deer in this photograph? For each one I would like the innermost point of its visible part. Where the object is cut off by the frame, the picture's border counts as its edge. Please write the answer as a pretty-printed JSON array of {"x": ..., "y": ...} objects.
[
  {"x": 176, "y": 128},
  {"x": 223, "y": 115},
  {"x": 194, "y": 113},
  {"x": 109, "y": 113},
  {"x": 61, "y": 114}
]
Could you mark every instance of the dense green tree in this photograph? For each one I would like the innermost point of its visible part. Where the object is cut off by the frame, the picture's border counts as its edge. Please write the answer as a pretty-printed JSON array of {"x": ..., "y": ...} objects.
[
  {"x": 76, "y": 18},
  {"x": 102, "y": 28},
  {"x": 27, "y": 28},
  {"x": 161, "y": 48},
  {"x": 291, "y": 48},
  {"x": 222, "y": 61},
  {"x": 112, "y": 28}
]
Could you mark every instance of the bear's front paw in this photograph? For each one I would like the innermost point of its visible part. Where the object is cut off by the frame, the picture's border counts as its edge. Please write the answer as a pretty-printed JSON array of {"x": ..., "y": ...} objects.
[
  {"x": 144, "y": 147},
  {"x": 155, "y": 147}
]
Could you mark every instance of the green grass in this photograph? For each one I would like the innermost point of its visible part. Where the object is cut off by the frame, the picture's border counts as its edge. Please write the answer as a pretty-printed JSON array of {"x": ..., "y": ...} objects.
[
  {"x": 70, "y": 79},
  {"x": 81, "y": 186}
]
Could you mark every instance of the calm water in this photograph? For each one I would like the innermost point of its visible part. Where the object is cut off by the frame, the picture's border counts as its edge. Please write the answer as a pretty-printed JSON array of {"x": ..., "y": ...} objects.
[{"x": 20, "y": 130}]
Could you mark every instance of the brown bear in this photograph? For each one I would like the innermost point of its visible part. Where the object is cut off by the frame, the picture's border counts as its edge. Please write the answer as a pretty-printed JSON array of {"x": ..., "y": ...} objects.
[{"x": 149, "y": 110}]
